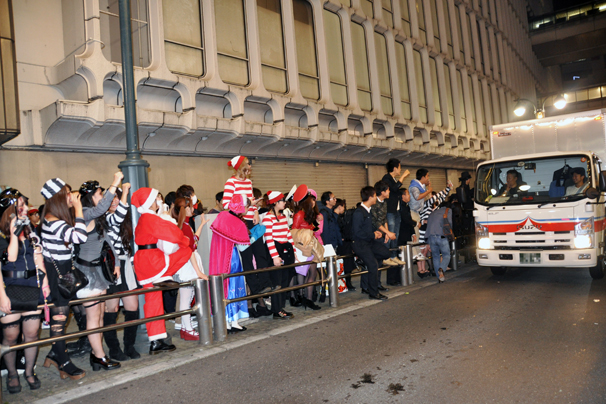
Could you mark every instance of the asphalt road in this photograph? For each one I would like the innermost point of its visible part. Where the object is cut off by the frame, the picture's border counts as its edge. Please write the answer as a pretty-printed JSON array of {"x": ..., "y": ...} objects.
[{"x": 532, "y": 336}]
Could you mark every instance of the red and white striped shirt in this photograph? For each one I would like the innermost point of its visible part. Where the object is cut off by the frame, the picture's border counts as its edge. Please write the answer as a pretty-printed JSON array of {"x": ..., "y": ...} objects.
[
  {"x": 276, "y": 229},
  {"x": 238, "y": 186}
]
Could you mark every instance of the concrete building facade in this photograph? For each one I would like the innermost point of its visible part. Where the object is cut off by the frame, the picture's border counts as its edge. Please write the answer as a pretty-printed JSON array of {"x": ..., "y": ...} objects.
[{"x": 337, "y": 81}]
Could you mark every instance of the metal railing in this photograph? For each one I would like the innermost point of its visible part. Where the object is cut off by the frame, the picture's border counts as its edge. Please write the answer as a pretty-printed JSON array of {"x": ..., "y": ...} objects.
[{"x": 211, "y": 302}]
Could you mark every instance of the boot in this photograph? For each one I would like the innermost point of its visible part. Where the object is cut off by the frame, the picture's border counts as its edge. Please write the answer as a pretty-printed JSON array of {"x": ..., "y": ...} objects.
[
  {"x": 82, "y": 346},
  {"x": 111, "y": 338},
  {"x": 130, "y": 334}
]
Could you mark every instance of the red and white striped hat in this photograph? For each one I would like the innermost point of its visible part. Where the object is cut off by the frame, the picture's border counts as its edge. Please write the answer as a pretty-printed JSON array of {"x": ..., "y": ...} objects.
[
  {"x": 274, "y": 196},
  {"x": 236, "y": 162},
  {"x": 143, "y": 198}
]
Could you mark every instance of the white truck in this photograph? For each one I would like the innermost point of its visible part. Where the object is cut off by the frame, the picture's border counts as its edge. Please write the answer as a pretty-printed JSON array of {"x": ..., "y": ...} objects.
[{"x": 540, "y": 201}]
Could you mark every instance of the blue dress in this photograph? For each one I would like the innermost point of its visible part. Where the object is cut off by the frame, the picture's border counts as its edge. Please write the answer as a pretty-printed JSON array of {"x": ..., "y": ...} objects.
[{"x": 236, "y": 289}]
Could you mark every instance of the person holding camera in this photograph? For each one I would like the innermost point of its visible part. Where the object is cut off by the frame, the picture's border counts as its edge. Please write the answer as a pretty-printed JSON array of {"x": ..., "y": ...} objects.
[
  {"x": 60, "y": 231},
  {"x": 22, "y": 265}
]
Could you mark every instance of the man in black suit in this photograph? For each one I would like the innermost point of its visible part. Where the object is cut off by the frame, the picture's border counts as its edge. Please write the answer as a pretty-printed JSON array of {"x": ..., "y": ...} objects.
[{"x": 368, "y": 244}]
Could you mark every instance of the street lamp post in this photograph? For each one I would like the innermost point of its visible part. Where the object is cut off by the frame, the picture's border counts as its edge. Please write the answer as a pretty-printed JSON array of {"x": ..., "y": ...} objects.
[
  {"x": 539, "y": 113},
  {"x": 134, "y": 167}
]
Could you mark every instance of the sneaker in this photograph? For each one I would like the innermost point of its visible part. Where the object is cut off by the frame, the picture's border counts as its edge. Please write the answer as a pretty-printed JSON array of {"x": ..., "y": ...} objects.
[
  {"x": 399, "y": 261},
  {"x": 389, "y": 262},
  {"x": 190, "y": 335}
]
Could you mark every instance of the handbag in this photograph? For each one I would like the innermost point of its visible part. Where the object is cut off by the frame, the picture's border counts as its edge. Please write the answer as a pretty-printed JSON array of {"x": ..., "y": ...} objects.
[
  {"x": 446, "y": 229},
  {"x": 107, "y": 261},
  {"x": 71, "y": 282},
  {"x": 23, "y": 298}
]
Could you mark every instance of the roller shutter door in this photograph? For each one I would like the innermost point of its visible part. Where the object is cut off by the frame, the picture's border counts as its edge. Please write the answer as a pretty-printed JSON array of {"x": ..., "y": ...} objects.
[{"x": 344, "y": 180}]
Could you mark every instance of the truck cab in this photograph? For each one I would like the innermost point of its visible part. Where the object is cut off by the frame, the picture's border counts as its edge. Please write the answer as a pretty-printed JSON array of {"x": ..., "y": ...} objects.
[{"x": 541, "y": 209}]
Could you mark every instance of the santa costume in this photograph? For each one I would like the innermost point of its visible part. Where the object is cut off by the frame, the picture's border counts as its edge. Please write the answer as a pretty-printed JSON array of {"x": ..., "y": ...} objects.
[{"x": 162, "y": 250}]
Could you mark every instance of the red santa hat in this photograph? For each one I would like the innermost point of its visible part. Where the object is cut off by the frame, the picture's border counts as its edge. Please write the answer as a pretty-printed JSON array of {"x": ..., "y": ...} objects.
[
  {"x": 274, "y": 196},
  {"x": 236, "y": 162},
  {"x": 300, "y": 193},
  {"x": 143, "y": 198}
]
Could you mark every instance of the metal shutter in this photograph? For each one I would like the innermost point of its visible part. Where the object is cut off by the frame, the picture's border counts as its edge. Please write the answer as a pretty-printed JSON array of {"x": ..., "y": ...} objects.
[{"x": 343, "y": 180}]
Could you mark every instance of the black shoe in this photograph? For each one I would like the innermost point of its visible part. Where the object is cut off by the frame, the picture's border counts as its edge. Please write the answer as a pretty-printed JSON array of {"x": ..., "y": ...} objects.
[
  {"x": 365, "y": 291},
  {"x": 159, "y": 346},
  {"x": 35, "y": 385},
  {"x": 283, "y": 315},
  {"x": 377, "y": 297},
  {"x": 264, "y": 311},
  {"x": 68, "y": 369},
  {"x": 322, "y": 298},
  {"x": 382, "y": 288},
  {"x": 130, "y": 335},
  {"x": 295, "y": 301},
  {"x": 253, "y": 313},
  {"x": 131, "y": 352},
  {"x": 111, "y": 338},
  {"x": 351, "y": 288},
  {"x": 308, "y": 303},
  {"x": 13, "y": 389},
  {"x": 103, "y": 363},
  {"x": 235, "y": 330}
]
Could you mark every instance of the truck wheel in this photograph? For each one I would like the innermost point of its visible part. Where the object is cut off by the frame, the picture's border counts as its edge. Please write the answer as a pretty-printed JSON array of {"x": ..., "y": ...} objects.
[
  {"x": 498, "y": 271},
  {"x": 597, "y": 272}
]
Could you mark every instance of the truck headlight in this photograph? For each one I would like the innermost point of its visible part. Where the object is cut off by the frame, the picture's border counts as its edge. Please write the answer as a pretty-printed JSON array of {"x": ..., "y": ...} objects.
[
  {"x": 484, "y": 243},
  {"x": 481, "y": 231},
  {"x": 583, "y": 234},
  {"x": 582, "y": 241}
]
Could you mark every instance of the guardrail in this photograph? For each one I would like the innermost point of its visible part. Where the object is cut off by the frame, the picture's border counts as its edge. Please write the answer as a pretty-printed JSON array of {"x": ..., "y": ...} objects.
[{"x": 210, "y": 297}]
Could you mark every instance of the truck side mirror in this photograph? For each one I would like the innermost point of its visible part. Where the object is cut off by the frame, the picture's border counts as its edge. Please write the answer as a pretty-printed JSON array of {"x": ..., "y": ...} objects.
[
  {"x": 592, "y": 193},
  {"x": 602, "y": 181}
]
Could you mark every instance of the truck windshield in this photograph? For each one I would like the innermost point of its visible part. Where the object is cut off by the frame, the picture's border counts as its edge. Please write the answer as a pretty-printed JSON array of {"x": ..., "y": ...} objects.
[{"x": 532, "y": 181}]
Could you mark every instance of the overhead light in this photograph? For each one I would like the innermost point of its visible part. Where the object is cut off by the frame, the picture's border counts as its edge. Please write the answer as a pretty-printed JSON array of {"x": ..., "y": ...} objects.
[
  {"x": 559, "y": 102},
  {"x": 524, "y": 187},
  {"x": 540, "y": 115},
  {"x": 520, "y": 109}
]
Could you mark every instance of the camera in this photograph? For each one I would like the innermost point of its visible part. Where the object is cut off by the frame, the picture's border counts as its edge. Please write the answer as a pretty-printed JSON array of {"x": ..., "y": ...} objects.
[{"x": 20, "y": 224}]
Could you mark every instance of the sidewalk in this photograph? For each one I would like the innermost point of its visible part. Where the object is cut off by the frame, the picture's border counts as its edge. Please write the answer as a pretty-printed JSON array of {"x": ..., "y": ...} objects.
[{"x": 54, "y": 390}]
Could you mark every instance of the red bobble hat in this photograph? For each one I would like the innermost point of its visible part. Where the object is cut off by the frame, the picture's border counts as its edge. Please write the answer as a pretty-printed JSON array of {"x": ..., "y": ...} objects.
[
  {"x": 274, "y": 196},
  {"x": 236, "y": 162},
  {"x": 143, "y": 198}
]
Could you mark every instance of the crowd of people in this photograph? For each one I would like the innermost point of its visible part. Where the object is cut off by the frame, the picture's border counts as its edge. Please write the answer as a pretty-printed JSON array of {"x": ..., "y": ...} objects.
[{"x": 82, "y": 244}]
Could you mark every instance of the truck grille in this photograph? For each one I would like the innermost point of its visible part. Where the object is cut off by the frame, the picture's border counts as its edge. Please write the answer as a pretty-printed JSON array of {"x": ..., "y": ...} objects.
[{"x": 533, "y": 240}]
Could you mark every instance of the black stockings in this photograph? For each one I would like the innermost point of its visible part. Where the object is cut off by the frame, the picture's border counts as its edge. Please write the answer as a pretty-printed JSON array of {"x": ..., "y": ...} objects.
[
  {"x": 11, "y": 331},
  {"x": 58, "y": 319}
]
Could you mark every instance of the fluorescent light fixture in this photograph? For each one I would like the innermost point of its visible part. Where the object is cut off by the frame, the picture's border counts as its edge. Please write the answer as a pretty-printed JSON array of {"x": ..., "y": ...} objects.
[{"x": 524, "y": 187}]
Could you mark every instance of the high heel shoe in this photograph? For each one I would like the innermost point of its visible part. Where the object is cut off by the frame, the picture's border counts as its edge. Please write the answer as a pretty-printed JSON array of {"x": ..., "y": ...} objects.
[
  {"x": 105, "y": 363},
  {"x": 308, "y": 303},
  {"x": 13, "y": 389},
  {"x": 295, "y": 302},
  {"x": 35, "y": 385},
  {"x": 68, "y": 369}
]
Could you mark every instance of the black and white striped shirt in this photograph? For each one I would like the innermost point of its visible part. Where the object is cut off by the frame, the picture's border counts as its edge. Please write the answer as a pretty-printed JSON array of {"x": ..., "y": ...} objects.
[
  {"x": 114, "y": 220},
  {"x": 56, "y": 233}
]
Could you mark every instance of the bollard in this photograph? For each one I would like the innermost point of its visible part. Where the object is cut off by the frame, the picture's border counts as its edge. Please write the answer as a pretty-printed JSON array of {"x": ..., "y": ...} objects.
[
  {"x": 404, "y": 268},
  {"x": 409, "y": 263},
  {"x": 454, "y": 258},
  {"x": 205, "y": 329},
  {"x": 333, "y": 284},
  {"x": 218, "y": 306}
]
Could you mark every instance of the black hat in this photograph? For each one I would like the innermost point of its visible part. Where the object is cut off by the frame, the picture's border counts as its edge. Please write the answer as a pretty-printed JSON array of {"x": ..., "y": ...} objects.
[
  {"x": 89, "y": 186},
  {"x": 465, "y": 176},
  {"x": 9, "y": 197}
]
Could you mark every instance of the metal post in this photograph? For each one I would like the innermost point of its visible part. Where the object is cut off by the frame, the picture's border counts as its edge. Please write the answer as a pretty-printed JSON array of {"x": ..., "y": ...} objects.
[
  {"x": 218, "y": 306},
  {"x": 454, "y": 259},
  {"x": 404, "y": 268},
  {"x": 409, "y": 264},
  {"x": 333, "y": 284},
  {"x": 134, "y": 167},
  {"x": 202, "y": 308}
]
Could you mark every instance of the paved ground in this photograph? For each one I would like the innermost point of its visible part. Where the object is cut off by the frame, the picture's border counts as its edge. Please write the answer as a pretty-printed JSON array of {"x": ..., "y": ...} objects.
[{"x": 532, "y": 336}]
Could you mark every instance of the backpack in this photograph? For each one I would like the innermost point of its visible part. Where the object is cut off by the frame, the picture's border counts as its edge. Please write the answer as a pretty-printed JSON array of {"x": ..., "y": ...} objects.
[{"x": 347, "y": 225}]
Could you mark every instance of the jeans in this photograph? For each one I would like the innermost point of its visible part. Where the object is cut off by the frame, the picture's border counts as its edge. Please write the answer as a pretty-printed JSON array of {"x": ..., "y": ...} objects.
[
  {"x": 439, "y": 245},
  {"x": 393, "y": 224}
]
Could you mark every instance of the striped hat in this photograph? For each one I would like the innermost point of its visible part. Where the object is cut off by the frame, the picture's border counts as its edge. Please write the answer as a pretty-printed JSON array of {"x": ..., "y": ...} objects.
[
  {"x": 236, "y": 162},
  {"x": 274, "y": 196},
  {"x": 51, "y": 187}
]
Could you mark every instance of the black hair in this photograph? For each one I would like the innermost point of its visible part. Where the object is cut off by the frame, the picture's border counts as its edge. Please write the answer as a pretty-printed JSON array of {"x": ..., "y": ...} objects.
[
  {"x": 101, "y": 225},
  {"x": 381, "y": 186},
  {"x": 514, "y": 172},
  {"x": 325, "y": 197},
  {"x": 403, "y": 189},
  {"x": 219, "y": 196},
  {"x": 367, "y": 192},
  {"x": 392, "y": 164},
  {"x": 421, "y": 172},
  {"x": 170, "y": 198},
  {"x": 339, "y": 202}
]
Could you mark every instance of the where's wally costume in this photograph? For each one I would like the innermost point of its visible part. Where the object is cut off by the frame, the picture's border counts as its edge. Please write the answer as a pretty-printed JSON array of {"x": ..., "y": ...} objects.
[
  {"x": 163, "y": 249},
  {"x": 229, "y": 231}
]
